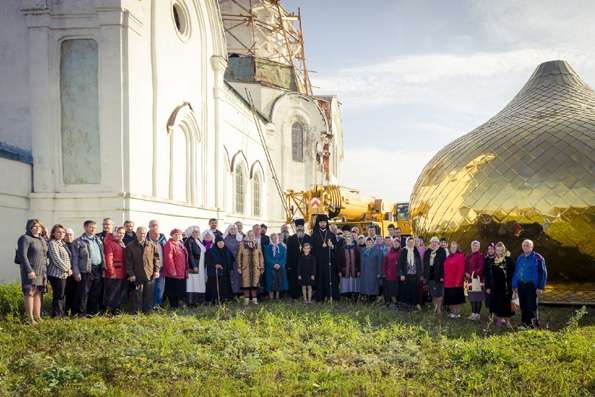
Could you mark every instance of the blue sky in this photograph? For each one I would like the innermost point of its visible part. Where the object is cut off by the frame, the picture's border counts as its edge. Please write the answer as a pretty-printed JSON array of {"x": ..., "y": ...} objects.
[{"x": 414, "y": 75}]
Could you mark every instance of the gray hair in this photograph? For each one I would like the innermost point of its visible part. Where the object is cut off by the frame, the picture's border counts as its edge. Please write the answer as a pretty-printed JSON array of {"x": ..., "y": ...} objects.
[{"x": 528, "y": 241}]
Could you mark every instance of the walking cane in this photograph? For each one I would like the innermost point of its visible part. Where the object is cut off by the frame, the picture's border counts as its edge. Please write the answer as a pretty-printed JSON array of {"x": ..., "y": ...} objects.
[
  {"x": 217, "y": 281},
  {"x": 330, "y": 273}
]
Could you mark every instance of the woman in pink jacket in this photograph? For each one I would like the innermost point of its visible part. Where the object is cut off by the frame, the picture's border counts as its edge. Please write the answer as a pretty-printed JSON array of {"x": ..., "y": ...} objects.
[
  {"x": 175, "y": 268},
  {"x": 454, "y": 273},
  {"x": 389, "y": 272},
  {"x": 115, "y": 283}
]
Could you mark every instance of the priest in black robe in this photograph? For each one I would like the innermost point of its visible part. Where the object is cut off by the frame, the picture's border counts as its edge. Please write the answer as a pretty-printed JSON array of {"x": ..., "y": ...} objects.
[
  {"x": 325, "y": 243},
  {"x": 295, "y": 246}
]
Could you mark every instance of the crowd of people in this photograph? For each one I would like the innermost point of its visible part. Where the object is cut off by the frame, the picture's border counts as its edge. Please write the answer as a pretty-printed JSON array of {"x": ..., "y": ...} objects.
[{"x": 98, "y": 272}]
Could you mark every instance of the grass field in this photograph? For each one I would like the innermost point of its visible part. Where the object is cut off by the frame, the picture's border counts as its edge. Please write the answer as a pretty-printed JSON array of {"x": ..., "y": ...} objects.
[{"x": 291, "y": 349}]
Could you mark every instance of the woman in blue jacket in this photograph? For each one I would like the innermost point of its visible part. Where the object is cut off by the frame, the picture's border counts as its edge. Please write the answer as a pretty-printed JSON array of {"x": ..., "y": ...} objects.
[
  {"x": 530, "y": 276},
  {"x": 275, "y": 256}
]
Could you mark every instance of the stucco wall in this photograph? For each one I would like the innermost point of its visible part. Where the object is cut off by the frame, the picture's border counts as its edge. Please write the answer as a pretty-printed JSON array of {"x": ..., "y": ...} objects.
[
  {"x": 15, "y": 185},
  {"x": 15, "y": 127}
]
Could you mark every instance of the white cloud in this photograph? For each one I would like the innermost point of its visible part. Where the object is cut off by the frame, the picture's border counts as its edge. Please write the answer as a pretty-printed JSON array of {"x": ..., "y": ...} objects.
[
  {"x": 389, "y": 175},
  {"x": 431, "y": 79},
  {"x": 538, "y": 23}
]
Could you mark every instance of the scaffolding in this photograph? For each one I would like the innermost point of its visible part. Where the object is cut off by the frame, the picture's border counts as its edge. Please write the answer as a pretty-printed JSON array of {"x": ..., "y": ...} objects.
[{"x": 265, "y": 29}]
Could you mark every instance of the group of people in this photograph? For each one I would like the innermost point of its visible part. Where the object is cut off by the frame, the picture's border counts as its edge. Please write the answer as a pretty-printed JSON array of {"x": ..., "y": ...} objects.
[{"x": 98, "y": 272}]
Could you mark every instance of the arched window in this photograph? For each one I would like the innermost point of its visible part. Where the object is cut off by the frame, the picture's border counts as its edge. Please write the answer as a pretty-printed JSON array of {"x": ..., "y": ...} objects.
[
  {"x": 240, "y": 189},
  {"x": 185, "y": 149},
  {"x": 297, "y": 142},
  {"x": 256, "y": 190}
]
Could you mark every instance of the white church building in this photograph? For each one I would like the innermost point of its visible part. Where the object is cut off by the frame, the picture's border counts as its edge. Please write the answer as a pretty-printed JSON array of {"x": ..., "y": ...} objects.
[{"x": 138, "y": 109}]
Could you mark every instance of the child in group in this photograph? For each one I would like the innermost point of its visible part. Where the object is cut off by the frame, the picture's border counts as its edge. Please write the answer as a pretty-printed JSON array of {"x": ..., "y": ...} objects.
[{"x": 306, "y": 272}]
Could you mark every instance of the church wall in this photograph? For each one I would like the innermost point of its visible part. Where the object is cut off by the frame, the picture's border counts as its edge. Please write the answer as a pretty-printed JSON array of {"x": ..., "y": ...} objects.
[
  {"x": 15, "y": 177},
  {"x": 337, "y": 152},
  {"x": 242, "y": 147},
  {"x": 180, "y": 61},
  {"x": 287, "y": 110},
  {"x": 138, "y": 143},
  {"x": 15, "y": 110},
  {"x": 155, "y": 87}
]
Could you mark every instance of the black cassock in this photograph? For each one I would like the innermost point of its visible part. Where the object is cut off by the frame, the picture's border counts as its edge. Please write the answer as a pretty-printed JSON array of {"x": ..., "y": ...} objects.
[
  {"x": 295, "y": 247},
  {"x": 327, "y": 280}
]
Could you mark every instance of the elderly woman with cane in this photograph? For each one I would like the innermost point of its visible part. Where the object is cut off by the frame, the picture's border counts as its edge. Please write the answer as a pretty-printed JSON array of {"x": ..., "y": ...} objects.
[{"x": 219, "y": 260}]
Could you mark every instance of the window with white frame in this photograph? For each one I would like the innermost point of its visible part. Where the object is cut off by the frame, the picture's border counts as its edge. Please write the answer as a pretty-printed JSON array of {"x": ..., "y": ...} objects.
[
  {"x": 240, "y": 189},
  {"x": 256, "y": 191},
  {"x": 297, "y": 142}
]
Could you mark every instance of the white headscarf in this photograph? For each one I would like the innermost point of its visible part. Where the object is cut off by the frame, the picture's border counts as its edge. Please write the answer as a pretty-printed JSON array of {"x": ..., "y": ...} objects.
[
  {"x": 239, "y": 237},
  {"x": 115, "y": 233},
  {"x": 188, "y": 232},
  {"x": 410, "y": 252},
  {"x": 202, "y": 236}
]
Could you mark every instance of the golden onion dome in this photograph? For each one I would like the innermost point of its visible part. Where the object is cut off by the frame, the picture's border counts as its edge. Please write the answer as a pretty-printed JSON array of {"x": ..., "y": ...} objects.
[{"x": 527, "y": 173}]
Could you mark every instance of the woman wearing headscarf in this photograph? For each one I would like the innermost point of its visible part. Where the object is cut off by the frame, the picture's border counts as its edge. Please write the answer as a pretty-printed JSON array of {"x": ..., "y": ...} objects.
[
  {"x": 475, "y": 275},
  {"x": 371, "y": 270},
  {"x": 175, "y": 268},
  {"x": 349, "y": 268},
  {"x": 490, "y": 253},
  {"x": 454, "y": 276},
  {"x": 379, "y": 243},
  {"x": 361, "y": 243},
  {"x": 208, "y": 238},
  {"x": 115, "y": 283},
  {"x": 275, "y": 256},
  {"x": 232, "y": 241},
  {"x": 32, "y": 254},
  {"x": 410, "y": 273},
  {"x": 389, "y": 272},
  {"x": 433, "y": 262},
  {"x": 59, "y": 268},
  {"x": 499, "y": 284},
  {"x": 250, "y": 266},
  {"x": 196, "y": 281},
  {"x": 219, "y": 261},
  {"x": 444, "y": 245}
]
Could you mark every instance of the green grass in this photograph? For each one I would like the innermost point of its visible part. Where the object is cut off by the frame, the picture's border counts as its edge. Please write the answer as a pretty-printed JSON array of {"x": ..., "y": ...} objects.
[{"x": 291, "y": 349}]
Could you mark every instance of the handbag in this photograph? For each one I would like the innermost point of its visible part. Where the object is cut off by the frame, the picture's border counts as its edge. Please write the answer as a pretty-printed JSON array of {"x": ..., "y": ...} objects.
[
  {"x": 475, "y": 284},
  {"x": 515, "y": 302},
  {"x": 426, "y": 297},
  {"x": 17, "y": 260}
]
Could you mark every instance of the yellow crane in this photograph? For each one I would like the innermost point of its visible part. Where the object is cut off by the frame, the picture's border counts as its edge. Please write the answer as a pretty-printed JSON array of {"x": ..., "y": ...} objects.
[{"x": 346, "y": 207}]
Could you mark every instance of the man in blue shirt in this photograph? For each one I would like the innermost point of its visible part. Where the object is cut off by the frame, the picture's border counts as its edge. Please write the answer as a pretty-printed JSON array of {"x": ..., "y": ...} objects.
[
  {"x": 88, "y": 263},
  {"x": 529, "y": 281}
]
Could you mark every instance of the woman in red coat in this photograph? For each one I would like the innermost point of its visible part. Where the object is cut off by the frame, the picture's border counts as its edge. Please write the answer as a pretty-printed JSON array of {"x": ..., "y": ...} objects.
[
  {"x": 454, "y": 273},
  {"x": 116, "y": 285},
  {"x": 475, "y": 269},
  {"x": 389, "y": 272},
  {"x": 175, "y": 268}
]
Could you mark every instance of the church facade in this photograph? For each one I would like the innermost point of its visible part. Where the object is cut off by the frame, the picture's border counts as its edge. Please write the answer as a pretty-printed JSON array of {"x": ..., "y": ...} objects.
[{"x": 131, "y": 110}]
